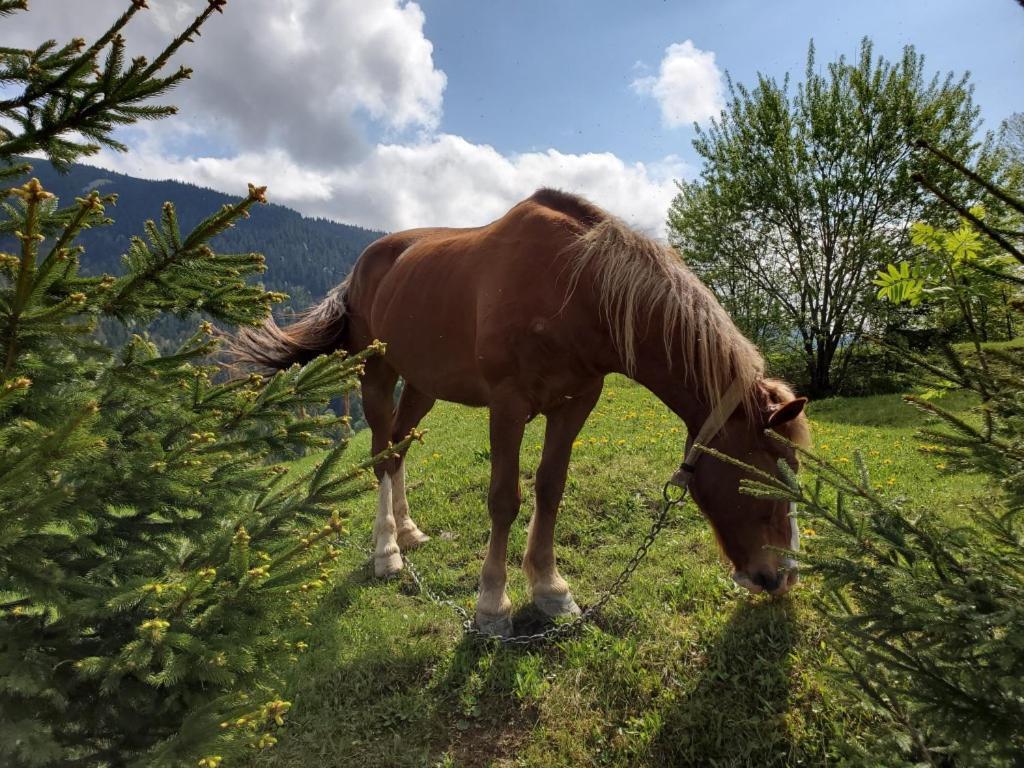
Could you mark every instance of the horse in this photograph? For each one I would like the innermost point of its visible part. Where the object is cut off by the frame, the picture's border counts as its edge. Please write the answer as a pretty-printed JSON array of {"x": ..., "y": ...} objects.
[{"x": 527, "y": 315}]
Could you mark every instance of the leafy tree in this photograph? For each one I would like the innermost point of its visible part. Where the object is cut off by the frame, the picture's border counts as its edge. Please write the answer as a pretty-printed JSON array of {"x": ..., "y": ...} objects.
[
  {"x": 956, "y": 272},
  {"x": 758, "y": 314},
  {"x": 929, "y": 606},
  {"x": 806, "y": 193},
  {"x": 157, "y": 567}
]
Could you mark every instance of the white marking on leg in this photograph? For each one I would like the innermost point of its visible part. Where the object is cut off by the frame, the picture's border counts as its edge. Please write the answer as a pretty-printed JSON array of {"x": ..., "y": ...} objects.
[
  {"x": 409, "y": 534},
  {"x": 387, "y": 558}
]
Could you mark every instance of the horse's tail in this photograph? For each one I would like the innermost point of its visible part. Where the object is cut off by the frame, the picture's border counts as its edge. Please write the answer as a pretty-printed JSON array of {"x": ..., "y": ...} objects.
[{"x": 320, "y": 329}]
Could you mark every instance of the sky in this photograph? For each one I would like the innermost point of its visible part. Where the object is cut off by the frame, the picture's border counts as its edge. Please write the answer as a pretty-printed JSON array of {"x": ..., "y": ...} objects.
[{"x": 392, "y": 114}]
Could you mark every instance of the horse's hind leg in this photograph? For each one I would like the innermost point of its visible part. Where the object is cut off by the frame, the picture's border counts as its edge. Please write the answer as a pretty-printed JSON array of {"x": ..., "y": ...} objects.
[
  {"x": 409, "y": 534},
  {"x": 549, "y": 590},
  {"x": 413, "y": 405},
  {"x": 378, "y": 388}
]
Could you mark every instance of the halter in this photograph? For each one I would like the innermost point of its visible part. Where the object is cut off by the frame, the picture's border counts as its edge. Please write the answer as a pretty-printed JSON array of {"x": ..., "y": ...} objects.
[
  {"x": 712, "y": 426},
  {"x": 709, "y": 429}
]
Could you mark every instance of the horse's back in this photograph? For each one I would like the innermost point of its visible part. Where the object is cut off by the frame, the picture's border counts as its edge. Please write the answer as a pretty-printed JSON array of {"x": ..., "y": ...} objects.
[{"x": 461, "y": 309}]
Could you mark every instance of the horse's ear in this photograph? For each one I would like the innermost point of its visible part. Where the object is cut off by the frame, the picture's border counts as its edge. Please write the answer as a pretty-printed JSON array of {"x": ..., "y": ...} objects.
[{"x": 786, "y": 412}]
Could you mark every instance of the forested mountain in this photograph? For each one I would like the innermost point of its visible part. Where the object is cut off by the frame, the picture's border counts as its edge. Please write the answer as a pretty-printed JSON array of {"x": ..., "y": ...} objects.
[{"x": 306, "y": 257}]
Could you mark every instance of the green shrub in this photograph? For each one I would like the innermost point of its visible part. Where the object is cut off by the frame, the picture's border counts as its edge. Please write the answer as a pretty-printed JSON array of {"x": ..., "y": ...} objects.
[
  {"x": 929, "y": 612},
  {"x": 866, "y": 369},
  {"x": 876, "y": 370},
  {"x": 157, "y": 573}
]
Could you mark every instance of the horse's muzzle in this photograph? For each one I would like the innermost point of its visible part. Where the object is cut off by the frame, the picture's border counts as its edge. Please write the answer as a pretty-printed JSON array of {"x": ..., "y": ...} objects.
[{"x": 775, "y": 584}]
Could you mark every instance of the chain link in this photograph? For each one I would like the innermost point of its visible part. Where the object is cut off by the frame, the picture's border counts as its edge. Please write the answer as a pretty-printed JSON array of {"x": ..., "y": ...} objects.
[
  {"x": 670, "y": 500},
  {"x": 559, "y": 631}
]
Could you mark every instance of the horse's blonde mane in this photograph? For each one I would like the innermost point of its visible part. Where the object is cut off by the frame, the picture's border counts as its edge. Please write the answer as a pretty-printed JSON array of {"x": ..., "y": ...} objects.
[{"x": 639, "y": 280}]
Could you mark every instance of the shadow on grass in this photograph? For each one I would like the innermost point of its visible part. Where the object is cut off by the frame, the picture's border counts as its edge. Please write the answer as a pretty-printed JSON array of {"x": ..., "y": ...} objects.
[
  {"x": 735, "y": 713},
  {"x": 483, "y": 718},
  {"x": 389, "y": 683},
  {"x": 393, "y": 685}
]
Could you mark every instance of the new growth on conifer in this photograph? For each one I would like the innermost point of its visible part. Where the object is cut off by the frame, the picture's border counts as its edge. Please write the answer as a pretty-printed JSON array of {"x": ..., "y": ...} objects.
[{"x": 159, "y": 558}]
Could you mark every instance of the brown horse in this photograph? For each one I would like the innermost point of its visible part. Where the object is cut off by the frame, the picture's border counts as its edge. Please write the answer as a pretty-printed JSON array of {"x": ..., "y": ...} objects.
[{"x": 527, "y": 315}]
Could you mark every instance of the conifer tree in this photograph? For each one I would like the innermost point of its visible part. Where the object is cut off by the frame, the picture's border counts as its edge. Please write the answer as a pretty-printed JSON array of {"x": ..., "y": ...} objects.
[
  {"x": 929, "y": 604},
  {"x": 158, "y": 562}
]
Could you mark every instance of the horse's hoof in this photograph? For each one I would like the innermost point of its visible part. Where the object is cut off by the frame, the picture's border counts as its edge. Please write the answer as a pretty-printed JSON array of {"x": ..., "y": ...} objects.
[
  {"x": 412, "y": 538},
  {"x": 555, "y": 605},
  {"x": 494, "y": 625},
  {"x": 385, "y": 566}
]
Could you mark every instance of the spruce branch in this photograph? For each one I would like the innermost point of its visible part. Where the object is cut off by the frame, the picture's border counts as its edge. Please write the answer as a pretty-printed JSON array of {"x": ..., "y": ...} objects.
[
  {"x": 962, "y": 169},
  {"x": 32, "y": 196},
  {"x": 38, "y": 89},
  {"x": 119, "y": 467},
  {"x": 63, "y": 98},
  {"x": 8, "y": 7},
  {"x": 205, "y": 280},
  {"x": 1001, "y": 241}
]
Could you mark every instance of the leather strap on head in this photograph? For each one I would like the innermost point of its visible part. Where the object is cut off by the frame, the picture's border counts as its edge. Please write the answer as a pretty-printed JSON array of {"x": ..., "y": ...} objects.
[{"x": 712, "y": 426}]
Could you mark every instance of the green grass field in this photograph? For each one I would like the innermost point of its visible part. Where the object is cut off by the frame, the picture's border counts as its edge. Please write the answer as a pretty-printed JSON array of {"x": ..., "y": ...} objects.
[{"x": 683, "y": 668}]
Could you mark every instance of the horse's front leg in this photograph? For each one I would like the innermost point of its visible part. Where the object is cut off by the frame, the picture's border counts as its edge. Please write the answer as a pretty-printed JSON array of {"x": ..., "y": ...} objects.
[
  {"x": 549, "y": 590},
  {"x": 493, "y": 608}
]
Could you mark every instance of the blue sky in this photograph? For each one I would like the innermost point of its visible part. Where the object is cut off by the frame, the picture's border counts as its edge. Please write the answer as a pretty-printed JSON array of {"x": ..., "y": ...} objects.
[
  {"x": 532, "y": 74},
  {"x": 391, "y": 114}
]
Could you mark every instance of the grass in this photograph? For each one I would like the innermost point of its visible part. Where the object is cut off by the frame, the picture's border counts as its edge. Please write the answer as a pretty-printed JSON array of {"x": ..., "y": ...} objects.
[
  {"x": 967, "y": 346},
  {"x": 682, "y": 668}
]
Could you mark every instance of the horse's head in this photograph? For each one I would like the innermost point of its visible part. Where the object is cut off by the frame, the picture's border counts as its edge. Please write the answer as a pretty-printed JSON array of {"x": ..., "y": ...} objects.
[{"x": 749, "y": 528}]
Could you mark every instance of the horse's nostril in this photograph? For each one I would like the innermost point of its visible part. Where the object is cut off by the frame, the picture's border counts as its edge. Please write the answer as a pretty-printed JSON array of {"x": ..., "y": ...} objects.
[{"x": 769, "y": 582}]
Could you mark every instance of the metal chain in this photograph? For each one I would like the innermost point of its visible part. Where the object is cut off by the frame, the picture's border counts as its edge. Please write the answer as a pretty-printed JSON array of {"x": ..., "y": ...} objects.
[{"x": 669, "y": 501}]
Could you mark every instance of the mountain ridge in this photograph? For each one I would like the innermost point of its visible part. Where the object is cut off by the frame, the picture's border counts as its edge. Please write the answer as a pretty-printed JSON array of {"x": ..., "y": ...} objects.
[{"x": 306, "y": 256}]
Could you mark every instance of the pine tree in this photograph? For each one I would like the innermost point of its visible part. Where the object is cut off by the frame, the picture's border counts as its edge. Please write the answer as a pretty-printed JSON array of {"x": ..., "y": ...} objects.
[
  {"x": 158, "y": 561},
  {"x": 929, "y": 609}
]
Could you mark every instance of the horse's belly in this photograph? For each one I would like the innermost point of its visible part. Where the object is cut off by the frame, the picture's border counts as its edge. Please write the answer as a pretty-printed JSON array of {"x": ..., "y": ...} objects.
[
  {"x": 438, "y": 376},
  {"x": 429, "y": 328}
]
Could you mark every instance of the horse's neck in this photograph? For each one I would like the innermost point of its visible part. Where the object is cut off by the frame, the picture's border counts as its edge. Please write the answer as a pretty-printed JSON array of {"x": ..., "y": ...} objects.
[{"x": 669, "y": 382}]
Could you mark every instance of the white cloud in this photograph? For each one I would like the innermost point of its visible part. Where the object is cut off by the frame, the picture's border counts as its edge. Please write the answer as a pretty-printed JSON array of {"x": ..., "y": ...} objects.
[
  {"x": 286, "y": 94},
  {"x": 450, "y": 181},
  {"x": 688, "y": 87},
  {"x": 269, "y": 74},
  {"x": 439, "y": 181}
]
